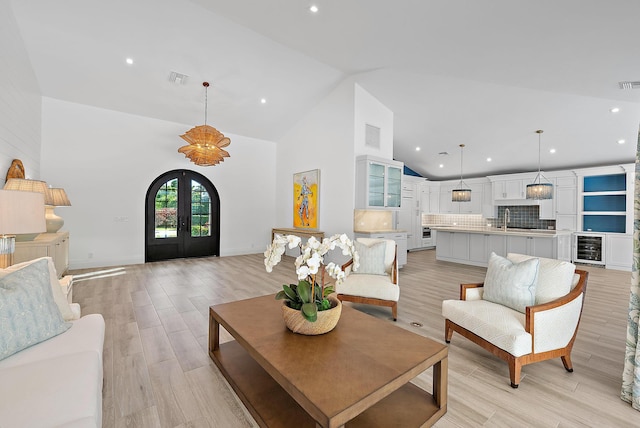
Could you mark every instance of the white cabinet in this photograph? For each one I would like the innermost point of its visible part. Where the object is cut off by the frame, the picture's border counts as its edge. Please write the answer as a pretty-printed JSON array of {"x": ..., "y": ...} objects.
[
  {"x": 434, "y": 198},
  {"x": 452, "y": 246},
  {"x": 54, "y": 245},
  {"x": 429, "y": 198},
  {"x": 532, "y": 246},
  {"x": 496, "y": 244},
  {"x": 508, "y": 189},
  {"x": 564, "y": 247},
  {"x": 619, "y": 248},
  {"x": 474, "y": 248},
  {"x": 447, "y": 206},
  {"x": 481, "y": 245},
  {"x": 399, "y": 237},
  {"x": 444, "y": 244},
  {"x": 478, "y": 247},
  {"x": 566, "y": 203},
  {"x": 488, "y": 209},
  {"x": 410, "y": 214},
  {"x": 378, "y": 183}
]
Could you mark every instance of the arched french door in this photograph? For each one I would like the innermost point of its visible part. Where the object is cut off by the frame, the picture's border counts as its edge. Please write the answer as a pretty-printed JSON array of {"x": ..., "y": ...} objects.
[{"x": 182, "y": 217}]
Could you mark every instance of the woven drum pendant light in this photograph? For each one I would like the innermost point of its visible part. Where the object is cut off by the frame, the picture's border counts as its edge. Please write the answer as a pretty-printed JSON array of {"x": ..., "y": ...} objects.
[
  {"x": 463, "y": 194},
  {"x": 539, "y": 190},
  {"x": 205, "y": 142}
]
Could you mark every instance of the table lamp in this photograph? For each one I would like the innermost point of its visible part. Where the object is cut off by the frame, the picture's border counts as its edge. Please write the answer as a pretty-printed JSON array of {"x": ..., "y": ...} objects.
[
  {"x": 20, "y": 212},
  {"x": 28, "y": 185},
  {"x": 57, "y": 198}
]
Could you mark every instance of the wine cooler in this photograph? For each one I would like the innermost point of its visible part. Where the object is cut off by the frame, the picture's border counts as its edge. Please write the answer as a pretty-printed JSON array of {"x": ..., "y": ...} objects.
[{"x": 589, "y": 248}]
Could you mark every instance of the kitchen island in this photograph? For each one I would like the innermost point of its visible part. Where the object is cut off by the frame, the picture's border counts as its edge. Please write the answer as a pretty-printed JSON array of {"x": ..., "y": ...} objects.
[{"x": 473, "y": 245}]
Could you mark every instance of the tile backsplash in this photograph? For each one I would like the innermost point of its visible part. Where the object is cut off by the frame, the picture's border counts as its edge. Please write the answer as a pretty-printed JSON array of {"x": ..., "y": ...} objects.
[
  {"x": 522, "y": 216},
  {"x": 467, "y": 220}
]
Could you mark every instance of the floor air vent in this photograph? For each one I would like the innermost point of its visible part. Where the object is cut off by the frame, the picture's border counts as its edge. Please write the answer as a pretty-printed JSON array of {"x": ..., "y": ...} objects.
[{"x": 629, "y": 85}]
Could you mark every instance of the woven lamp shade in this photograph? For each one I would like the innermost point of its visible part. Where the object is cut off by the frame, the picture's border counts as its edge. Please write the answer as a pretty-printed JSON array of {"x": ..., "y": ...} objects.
[
  {"x": 25, "y": 185},
  {"x": 205, "y": 145},
  {"x": 58, "y": 197}
]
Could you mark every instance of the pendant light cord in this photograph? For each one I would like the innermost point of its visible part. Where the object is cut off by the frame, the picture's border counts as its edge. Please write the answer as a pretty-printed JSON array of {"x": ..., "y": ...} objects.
[
  {"x": 206, "y": 100},
  {"x": 461, "y": 157},
  {"x": 539, "y": 177}
]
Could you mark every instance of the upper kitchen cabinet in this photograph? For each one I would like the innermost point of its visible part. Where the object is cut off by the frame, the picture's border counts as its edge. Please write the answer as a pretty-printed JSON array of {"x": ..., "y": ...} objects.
[
  {"x": 474, "y": 206},
  {"x": 566, "y": 195},
  {"x": 378, "y": 183},
  {"x": 508, "y": 189},
  {"x": 430, "y": 197}
]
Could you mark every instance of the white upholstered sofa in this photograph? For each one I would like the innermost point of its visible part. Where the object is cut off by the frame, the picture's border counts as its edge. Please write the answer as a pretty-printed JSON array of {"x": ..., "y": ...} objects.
[
  {"x": 56, "y": 382},
  {"x": 544, "y": 328}
]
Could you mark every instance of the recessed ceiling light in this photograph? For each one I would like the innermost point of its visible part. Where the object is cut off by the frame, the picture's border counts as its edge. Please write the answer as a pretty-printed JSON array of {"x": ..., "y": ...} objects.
[
  {"x": 488, "y": 159},
  {"x": 313, "y": 8},
  {"x": 129, "y": 61},
  {"x": 263, "y": 100},
  {"x": 614, "y": 110},
  {"x": 417, "y": 149},
  {"x": 621, "y": 141},
  {"x": 441, "y": 165},
  {"x": 552, "y": 150}
]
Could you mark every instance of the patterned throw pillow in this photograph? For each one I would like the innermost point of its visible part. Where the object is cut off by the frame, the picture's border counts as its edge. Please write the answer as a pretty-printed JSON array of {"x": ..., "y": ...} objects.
[
  {"x": 58, "y": 295},
  {"x": 28, "y": 314},
  {"x": 371, "y": 258},
  {"x": 511, "y": 284}
]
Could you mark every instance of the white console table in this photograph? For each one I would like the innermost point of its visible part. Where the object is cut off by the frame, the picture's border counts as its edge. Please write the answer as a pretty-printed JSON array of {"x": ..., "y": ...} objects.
[{"x": 54, "y": 245}]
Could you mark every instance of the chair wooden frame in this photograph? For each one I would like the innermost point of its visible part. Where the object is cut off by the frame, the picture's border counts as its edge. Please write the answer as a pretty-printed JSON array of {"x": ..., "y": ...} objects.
[
  {"x": 372, "y": 301},
  {"x": 516, "y": 363}
]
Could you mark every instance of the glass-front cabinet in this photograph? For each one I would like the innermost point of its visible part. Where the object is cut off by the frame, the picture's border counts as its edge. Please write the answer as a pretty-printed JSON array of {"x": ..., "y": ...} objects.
[{"x": 378, "y": 183}]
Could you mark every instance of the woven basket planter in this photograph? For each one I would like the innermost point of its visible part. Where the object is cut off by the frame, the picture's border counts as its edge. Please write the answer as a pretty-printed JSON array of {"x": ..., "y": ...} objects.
[{"x": 326, "y": 321}]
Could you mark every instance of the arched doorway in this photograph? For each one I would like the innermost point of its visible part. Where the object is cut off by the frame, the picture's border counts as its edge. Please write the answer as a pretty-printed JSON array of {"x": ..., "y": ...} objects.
[{"x": 182, "y": 211}]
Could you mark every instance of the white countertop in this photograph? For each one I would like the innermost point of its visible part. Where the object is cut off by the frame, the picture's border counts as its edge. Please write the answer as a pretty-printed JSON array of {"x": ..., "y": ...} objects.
[
  {"x": 543, "y": 233},
  {"x": 381, "y": 231}
]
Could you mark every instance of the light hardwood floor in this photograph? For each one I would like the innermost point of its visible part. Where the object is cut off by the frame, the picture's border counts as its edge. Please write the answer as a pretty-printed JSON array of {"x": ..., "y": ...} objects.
[{"x": 157, "y": 372}]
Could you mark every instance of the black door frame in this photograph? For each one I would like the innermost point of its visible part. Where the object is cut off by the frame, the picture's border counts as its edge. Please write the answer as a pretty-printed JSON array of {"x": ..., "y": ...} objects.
[{"x": 169, "y": 248}]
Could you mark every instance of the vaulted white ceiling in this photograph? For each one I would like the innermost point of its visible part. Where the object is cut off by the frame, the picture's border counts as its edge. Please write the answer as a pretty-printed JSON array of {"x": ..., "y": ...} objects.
[{"x": 484, "y": 73}]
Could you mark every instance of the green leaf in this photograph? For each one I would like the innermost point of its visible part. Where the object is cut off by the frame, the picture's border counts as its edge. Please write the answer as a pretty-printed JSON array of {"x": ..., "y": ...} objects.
[
  {"x": 328, "y": 290},
  {"x": 281, "y": 295},
  {"x": 291, "y": 295},
  {"x": 304, "y": 291},
  {"x": 310, "y": 312}
]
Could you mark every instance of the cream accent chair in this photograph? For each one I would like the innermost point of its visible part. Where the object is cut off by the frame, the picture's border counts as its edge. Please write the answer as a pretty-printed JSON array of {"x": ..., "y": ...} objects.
[
  {"x": 380, "y": 290},
  {"x": 546, "y": 330}
]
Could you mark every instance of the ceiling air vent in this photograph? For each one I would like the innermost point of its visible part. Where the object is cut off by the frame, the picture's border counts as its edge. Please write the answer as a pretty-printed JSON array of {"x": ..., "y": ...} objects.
[
  {"x": 178, "y": 78},
  {"x": 629, "y": 85},
  {"x": 371, "y": 136}
]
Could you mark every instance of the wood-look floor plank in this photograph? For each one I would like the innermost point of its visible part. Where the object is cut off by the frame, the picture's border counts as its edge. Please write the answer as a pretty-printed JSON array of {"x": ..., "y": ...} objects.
[
  {"x": 156, "y": 345},
  {"x": 131, "y": 386},
  {"x": 174, "y": 400},
  {"x": 479, "y": 391}
]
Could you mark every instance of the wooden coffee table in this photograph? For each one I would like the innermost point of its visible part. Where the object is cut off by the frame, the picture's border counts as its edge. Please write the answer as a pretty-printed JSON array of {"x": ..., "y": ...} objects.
[{"x": 358, "y": 374}]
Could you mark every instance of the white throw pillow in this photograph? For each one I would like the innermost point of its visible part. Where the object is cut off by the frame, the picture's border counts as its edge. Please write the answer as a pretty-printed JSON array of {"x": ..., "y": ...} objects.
[
  {"x": 511, "y": 284},
  {"x": 58, "y": 295},
  {"x": 371, "y": 258},
  {"x": 555, "y": 277}
]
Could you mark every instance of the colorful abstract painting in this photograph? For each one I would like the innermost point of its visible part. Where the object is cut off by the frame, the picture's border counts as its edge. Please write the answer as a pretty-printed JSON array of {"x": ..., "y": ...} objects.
[{"x": 306, "y": 194}]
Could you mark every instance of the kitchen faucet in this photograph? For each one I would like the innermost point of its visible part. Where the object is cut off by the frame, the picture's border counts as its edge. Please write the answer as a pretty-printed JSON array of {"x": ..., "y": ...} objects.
[{"x": 507, "y": 218}]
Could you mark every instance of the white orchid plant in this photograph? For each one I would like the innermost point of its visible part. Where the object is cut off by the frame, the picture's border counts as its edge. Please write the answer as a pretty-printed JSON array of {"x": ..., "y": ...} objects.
[{"x": 307, "y": 295}]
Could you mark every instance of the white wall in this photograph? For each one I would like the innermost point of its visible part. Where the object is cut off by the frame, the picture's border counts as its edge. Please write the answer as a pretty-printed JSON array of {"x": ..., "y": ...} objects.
[
  {"x": 19, "y": 100},
  {"x": 370, "y": 111},
  {"x": 106, "y": 160},
  {"x": 323, "y": 140}
]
